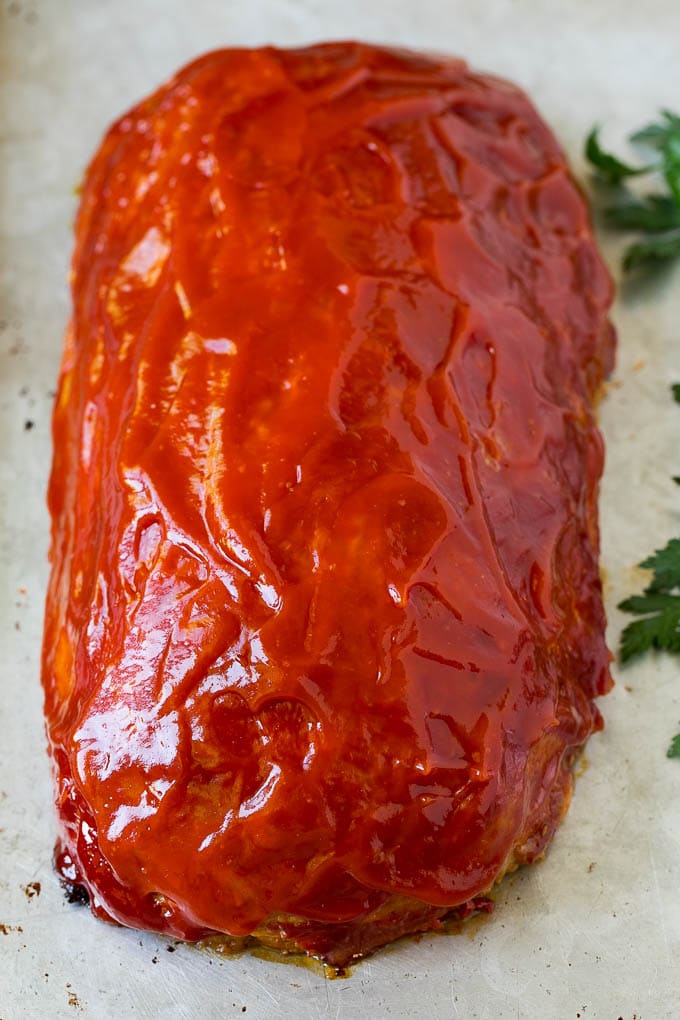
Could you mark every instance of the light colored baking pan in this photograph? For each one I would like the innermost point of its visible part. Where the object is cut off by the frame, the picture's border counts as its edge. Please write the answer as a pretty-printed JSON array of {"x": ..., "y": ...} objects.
[{"x": 595, "y": 929}]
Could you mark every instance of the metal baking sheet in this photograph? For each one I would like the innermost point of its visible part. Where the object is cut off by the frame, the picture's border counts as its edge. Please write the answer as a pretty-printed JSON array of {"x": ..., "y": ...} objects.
[{"x": 594, "y": 930}]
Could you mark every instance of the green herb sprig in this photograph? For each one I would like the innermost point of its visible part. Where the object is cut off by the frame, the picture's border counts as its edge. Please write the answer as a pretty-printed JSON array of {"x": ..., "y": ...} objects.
[
  {"x": 656, "y": 215},
  {"x": 658, "y": 607}
]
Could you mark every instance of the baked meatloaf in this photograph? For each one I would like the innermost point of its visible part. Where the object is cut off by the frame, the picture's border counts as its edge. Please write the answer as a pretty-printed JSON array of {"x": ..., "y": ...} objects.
[{"x": 324, "y": 627}]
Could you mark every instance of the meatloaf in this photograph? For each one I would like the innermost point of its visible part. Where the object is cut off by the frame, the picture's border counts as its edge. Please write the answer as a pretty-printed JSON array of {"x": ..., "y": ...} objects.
[{"x": 324, "y": 627}]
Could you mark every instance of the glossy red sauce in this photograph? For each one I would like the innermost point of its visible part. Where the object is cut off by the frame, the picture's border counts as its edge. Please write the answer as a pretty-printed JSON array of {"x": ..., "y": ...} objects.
[{"x": 325, "y": 622}]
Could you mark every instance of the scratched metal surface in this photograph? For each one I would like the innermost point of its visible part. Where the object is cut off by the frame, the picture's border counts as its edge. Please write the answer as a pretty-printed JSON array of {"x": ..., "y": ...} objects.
[{"x": 595, "y": 929}]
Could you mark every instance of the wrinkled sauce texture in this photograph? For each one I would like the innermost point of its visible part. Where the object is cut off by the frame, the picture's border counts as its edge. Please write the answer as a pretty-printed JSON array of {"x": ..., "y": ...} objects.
[{"x": 324, "y": 622}]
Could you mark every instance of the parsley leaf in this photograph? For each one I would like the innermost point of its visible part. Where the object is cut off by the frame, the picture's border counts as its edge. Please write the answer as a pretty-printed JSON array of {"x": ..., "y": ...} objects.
[
  {"x": 657, "y": 213},
  {"x": 613, "y": 170},
  {"x": 666, "y": 566},
  {"x": 671, "y": 166},
  {"x": 652, "y": 213},
  {"x": 661, "y": 631},
  {"x": 674, "y": 750},
  {"x": 655, "y": 249},
  {"x": 659, "y": 606},
  {"x": 657, "y": 135}
]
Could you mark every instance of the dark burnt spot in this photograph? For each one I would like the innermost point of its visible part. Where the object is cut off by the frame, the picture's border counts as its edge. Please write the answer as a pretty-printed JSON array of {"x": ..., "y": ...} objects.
[{"x": 76, "y": 893}]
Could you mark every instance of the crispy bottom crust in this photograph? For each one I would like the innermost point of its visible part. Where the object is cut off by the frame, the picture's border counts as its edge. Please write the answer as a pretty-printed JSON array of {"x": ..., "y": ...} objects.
[
  {"x": 335, "y": 946},
  {"x": 338, "y": 946}
]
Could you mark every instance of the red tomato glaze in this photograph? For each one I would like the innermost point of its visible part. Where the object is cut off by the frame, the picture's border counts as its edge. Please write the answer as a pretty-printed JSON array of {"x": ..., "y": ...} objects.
[{"x": 324, "y": 626}]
